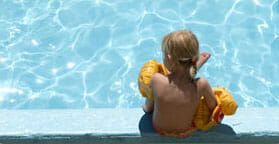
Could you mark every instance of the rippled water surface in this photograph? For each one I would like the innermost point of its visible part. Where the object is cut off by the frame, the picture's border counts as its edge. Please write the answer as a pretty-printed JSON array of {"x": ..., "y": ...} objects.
[{"x": 87, "y": 54}]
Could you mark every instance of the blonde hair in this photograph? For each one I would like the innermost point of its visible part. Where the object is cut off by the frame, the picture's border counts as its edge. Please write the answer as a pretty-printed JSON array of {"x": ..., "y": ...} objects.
[{"x": 183, "y": 46}]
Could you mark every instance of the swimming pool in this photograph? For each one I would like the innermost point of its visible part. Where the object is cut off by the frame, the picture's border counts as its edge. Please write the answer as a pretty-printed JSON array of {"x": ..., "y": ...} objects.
[{"x": 87, "y": 54}]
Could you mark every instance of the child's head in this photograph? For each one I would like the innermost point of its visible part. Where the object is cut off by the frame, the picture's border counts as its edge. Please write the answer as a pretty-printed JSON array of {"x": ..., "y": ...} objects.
[{"x": 181, "y": 48}]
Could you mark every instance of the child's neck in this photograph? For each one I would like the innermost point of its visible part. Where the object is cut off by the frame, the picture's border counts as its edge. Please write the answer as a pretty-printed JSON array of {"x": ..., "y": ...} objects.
[{"x": 181, "y": 75}]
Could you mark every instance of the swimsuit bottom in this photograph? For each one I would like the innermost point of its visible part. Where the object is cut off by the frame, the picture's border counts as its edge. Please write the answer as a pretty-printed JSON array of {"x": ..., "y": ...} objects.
[{"x": 174, "y": 134}]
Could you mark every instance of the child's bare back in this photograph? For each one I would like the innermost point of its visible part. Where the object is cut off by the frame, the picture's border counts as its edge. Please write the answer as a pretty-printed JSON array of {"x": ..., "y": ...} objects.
[{"x": 175, "y": 102}]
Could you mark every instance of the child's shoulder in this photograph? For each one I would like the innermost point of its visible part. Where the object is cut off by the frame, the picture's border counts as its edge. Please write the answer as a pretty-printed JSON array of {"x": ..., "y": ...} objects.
[
  {"x": 158, "y": 77},
  {"x": 201, "y": 82}
]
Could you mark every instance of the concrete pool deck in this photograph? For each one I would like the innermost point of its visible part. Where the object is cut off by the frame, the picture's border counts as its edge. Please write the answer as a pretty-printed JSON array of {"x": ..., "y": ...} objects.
[{"x": 248, "y": 125}]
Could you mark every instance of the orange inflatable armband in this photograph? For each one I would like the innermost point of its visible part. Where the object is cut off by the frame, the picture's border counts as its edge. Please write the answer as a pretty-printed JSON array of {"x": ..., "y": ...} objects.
[
  {"x": 226, "y": 105},
  {"x": 147, "y": 71}
]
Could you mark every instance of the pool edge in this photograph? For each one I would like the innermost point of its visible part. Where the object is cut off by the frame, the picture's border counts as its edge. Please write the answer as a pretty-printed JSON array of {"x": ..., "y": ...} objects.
[{"x": 254, "y": 125}]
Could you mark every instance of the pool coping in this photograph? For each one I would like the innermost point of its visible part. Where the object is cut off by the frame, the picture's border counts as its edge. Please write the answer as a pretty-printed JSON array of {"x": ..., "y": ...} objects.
[{"x": 112, "y": 125}]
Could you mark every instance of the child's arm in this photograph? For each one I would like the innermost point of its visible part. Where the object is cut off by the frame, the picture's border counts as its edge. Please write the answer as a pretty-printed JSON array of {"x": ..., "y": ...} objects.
[
  {"x": 148, "y": 106},
  {"x": 203, "y": 57},
  {"x": 208, "y": 94}
]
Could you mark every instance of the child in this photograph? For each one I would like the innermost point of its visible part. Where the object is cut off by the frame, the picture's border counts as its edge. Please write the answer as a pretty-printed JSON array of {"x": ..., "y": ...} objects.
[{"x": 177, "y": 95}]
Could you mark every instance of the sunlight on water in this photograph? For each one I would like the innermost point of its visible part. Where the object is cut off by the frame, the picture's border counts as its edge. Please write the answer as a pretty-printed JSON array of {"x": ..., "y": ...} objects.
[{"x": 87, "y": 54}]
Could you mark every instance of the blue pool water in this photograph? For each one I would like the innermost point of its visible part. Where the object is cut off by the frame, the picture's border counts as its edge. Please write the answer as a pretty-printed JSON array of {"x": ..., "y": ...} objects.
[{"x": 87, "y": 54}]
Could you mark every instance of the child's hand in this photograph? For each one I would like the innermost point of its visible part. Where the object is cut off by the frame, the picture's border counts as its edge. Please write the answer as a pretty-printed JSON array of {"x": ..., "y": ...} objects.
[{"x": 203, "y": 57}]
